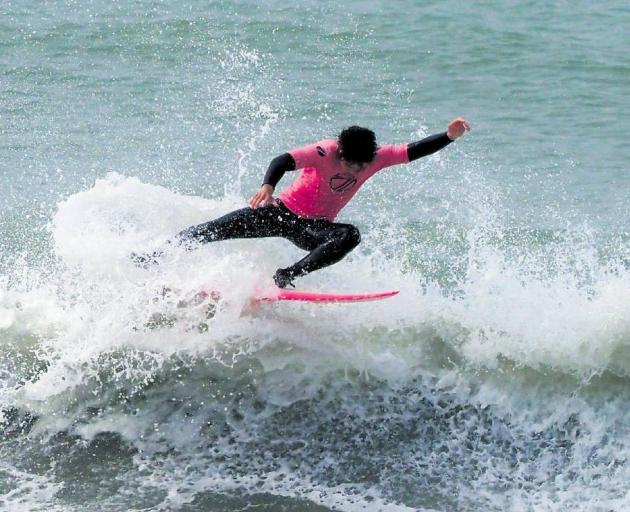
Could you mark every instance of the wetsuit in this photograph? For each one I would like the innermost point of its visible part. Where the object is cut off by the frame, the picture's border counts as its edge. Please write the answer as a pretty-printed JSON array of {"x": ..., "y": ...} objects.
[
  {"x": 327, "y": 241},
  {"x": 306, "y": 209}
]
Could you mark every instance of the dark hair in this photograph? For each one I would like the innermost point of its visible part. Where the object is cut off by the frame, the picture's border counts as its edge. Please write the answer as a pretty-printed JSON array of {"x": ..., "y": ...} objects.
[{"x": 357, "y": 144}]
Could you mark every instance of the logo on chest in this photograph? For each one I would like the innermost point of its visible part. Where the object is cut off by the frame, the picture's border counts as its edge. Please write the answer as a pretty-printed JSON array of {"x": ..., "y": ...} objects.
[{"x": 342, "y": 182}]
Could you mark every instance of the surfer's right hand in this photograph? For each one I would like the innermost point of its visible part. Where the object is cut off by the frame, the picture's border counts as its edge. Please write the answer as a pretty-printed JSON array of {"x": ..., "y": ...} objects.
[{"x": 263, "y": 197}]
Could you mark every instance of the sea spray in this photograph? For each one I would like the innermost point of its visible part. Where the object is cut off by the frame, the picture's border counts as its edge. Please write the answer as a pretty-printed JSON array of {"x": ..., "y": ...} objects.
[{"x": 295, "y": 400}]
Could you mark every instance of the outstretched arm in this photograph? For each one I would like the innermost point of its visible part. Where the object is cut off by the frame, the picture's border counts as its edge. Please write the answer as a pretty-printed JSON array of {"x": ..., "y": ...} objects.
[
  {"x": 456, "y": 128},
  {"x": 276, "y": 170},
  {"x": 427, "y": 146}
]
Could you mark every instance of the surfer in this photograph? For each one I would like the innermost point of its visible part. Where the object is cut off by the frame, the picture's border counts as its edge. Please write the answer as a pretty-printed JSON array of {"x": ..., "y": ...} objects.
[{"x": 331, "y": 172}]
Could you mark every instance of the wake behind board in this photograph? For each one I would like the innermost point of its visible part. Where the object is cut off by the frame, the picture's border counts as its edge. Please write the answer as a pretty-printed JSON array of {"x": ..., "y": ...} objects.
[{"x": 278, "y": 294}]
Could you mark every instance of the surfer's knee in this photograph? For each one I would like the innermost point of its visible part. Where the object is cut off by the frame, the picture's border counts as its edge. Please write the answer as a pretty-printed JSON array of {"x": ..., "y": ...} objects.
[{"x": 351, "y": 237}]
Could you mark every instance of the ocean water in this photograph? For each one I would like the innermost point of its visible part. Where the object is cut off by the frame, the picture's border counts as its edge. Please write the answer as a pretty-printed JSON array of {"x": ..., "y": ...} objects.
[{"x": 497, "y": 380}]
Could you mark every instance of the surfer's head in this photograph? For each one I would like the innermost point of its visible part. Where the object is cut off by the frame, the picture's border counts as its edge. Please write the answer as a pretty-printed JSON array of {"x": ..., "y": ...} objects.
[{"x": 357, "y": 147}]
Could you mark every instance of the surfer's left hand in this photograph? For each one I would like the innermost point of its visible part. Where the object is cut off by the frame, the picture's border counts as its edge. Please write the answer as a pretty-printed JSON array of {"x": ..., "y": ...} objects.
[
  {"x": 457, "y": 127},
  {"x": 263, "y": 197}
]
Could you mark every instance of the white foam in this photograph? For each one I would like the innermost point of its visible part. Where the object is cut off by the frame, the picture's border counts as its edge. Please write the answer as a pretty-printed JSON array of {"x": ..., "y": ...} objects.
[
  {"x": 501, "y": 311},
  {"x": 88, "y": 322},
  {"x": 31, "y": 492}
]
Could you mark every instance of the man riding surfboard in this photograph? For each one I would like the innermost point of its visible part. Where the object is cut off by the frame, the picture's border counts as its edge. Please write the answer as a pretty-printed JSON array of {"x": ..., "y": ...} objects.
[{"x": 331, "y": 172}]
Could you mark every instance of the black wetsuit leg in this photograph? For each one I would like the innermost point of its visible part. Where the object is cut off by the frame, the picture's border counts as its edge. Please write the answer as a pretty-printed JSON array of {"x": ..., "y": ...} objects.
[
  {"x": 267, "y": 221},
  {"x": 327, "y": 242}
]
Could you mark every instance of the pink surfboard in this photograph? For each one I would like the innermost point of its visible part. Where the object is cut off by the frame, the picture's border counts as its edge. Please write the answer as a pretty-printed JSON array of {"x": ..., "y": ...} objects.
[{"x": 278, "y": 294}]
